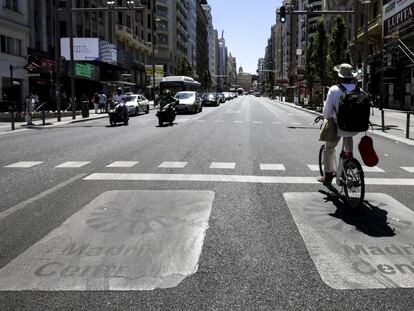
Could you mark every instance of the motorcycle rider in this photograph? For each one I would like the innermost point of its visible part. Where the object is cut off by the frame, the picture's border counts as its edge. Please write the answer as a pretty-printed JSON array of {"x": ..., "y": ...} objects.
[
  {"x": 119, "y": 96},
  {"x": 167, "y": 98}
]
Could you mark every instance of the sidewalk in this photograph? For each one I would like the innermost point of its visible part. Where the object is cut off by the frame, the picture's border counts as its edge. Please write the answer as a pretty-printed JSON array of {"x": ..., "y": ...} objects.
[
  {"x": 395, "y": 123},
  {"x": 50, "y": 120}
]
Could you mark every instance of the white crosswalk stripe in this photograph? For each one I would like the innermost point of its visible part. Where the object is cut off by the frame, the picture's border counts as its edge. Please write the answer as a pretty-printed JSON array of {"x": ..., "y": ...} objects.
[
  {"x": 272, "y": 167},
  {"x": 24, "y": 164},
  {"x": 374, "y": 169},
  {"x": 313, "y": 167},
  {"x": 73, "y": 164},
  {"x": 409, "y": 169},
  {"x": 123, "y": 164},
  {"x": 168, "y": 164},
  {"x": 223, "y": 165}
]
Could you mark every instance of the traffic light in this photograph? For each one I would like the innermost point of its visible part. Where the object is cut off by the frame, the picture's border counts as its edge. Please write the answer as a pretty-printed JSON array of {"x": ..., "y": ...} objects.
[{"x": 282, "y": 14}]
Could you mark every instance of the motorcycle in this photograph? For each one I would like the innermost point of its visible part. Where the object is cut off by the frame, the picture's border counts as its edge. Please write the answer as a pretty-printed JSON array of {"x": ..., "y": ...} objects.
[
  {"x": 118, "y": 112},
  {"x": 166, "y": 112}
]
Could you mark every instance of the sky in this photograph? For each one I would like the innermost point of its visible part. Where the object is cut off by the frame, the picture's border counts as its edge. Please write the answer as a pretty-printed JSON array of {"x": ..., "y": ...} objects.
[{"x": 247, "y": 27}]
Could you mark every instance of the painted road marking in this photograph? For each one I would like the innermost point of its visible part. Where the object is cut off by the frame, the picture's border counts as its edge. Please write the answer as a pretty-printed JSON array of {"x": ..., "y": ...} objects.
[
  {"x": 201, "y": 121},
  {"x": 24, "y": 164},
  {"x": 258, "y": 122},
  {"x": 272, "y": 167},
  {"x": 276, "y": 122},
  {"x": 237, "y": 121},
  {"x": 122, "y": 240},
  {"x": 219, "y": 121},
  {"x": 223, "y": 165},
  {"x": 39, "y": 196},
  {"x": 168, "y": 164},
  {"x": 234, "y": 111},
  {"x": 238, "y": 178},
  {"x": 374, "y": 169},
  {"x": 295, "y": 123},
  {"x": 123, "y": 164},
  {"x": 313, "y": 167},
  {"x": 73, "y": 164},
  {"x": 371, "y": 249},
  {"x": 409, "y": 169}
]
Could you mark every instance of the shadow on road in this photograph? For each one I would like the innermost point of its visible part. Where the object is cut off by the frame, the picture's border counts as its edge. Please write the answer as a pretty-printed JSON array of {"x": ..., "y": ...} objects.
[{"x": 368, "y": 219}]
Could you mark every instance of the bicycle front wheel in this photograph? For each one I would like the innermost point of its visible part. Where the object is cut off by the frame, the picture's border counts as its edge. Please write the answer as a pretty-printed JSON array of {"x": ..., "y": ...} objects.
[
  {"x": 322, "y": 160},
  {"x": 354, "y": 183}
]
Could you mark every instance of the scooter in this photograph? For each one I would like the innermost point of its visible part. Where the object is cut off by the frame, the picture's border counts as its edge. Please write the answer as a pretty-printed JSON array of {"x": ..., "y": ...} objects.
[
  {"x": 118, "y": 113},
  {"x": 166, "y": 113}
]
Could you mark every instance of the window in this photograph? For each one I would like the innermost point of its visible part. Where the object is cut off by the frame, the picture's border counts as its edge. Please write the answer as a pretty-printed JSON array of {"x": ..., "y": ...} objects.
[
  {"x": 11, "y": 5},
  {"x": 11, "y": 46}
]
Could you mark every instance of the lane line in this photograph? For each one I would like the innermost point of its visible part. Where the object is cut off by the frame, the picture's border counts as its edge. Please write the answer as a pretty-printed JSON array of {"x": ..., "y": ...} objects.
[
  {"x": 237, "y": 178},
  {"x": 123, "y": 164},
  {"x": 223, "y": 165},
  {"x": 374, "y": 169},
  {"x": 24, "y": 164},
  {"x": 167, "y": 164},
  {"x": 73, "y": 164},
  {"x": 409, "y": 169},
  {"x": 314, "y": 167},
  {"x": 272, "y": 167},
  {"x": 258, "y": 122},
  {"x": 41, "y": 195}
]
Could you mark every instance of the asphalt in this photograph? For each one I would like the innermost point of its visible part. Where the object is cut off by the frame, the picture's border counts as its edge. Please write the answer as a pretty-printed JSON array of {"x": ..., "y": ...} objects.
[
  {"x": 253, "y": 256},
  {"x": 393, "y": 125}
]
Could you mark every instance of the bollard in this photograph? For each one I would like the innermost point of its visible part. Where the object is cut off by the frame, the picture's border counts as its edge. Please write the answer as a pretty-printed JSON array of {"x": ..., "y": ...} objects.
[
  {"x": 12, "y": 118},
  {"x": 407, "y": 129},
  {"x": 382, "y": 120},
  {"x": 43, "y": 114}
]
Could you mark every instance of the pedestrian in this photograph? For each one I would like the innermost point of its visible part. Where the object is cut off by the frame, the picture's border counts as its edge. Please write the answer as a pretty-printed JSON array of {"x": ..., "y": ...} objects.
[
  {"x": 102, "y": 102},
  {"x": 95, "y": 100},
  {"x": 36, "y": 100},
  {"x": 347, "y": 81},
  {"x": 30, "y": 102}
]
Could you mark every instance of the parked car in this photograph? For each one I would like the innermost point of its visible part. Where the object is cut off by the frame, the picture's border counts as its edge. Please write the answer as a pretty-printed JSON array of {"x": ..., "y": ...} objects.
[
  {"x": 221, "y": 97},
  {"x": 210, "y": 99},
  {"x": 190, "y": 101},
  {"x": 136, "y": 104},
  {"x": 227, "y": 95}
]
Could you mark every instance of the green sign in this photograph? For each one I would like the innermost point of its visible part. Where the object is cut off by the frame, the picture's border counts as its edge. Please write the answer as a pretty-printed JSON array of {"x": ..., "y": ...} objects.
[{"x": 83, "y": 70}]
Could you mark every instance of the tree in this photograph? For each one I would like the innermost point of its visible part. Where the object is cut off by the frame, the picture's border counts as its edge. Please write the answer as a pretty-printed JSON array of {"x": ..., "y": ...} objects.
[
  {"x": 338, "y": 48},
  {"x": 310, "y": 70},
  {"x": 321, "y": 52},
  {"x": 206, "y": 80}
]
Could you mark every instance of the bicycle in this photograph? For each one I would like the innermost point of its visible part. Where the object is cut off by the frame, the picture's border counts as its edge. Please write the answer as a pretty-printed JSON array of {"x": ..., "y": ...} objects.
[{"x": 348, "y": 174}]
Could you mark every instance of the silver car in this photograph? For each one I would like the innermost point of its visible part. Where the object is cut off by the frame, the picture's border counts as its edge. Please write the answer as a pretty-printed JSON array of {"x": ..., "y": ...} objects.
[
  {"x": 136, "y": 104},
  {"x": 190, "y": 101}
]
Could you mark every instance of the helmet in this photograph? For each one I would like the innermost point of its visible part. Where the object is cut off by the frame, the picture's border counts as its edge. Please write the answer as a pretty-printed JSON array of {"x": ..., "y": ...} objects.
[
  {"x": 119, "y": 91},
  {"x": 167, "y": 92}
]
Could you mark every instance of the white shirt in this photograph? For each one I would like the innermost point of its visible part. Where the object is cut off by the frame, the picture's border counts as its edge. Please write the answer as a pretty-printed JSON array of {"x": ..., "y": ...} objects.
[{"x": 332, "y": 102}]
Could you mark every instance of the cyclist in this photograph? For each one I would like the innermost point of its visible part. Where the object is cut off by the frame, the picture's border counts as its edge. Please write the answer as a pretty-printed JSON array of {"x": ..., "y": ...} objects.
[{"x": 347, "y": 79}]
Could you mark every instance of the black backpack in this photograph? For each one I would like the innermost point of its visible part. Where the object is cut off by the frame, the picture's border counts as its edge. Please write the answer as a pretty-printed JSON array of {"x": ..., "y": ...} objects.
[{"x": 354, "y": 109}]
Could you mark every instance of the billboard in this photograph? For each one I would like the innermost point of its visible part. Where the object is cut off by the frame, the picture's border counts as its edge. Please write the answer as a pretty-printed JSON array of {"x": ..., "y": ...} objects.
[
  {"x": 397, "y": 16},
  {"x": 159, "y": 70},
  {"x": 90, "y": 49},
  {"x": 84, "y": 49}
]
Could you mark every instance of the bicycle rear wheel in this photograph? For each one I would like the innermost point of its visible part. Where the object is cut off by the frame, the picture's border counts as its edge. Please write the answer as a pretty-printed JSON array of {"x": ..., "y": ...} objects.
[
  {"x": 354, "y": 183},
  {"x": 321, "y": 160}
]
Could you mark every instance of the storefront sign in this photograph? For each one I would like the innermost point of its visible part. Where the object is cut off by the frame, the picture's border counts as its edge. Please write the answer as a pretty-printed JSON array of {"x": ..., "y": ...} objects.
[
  {"x": 159, "y": 70},
  {"x": 83, "y": 70},
  {"x": 397, "y": 16},
  {"x": 84, "y": 49}
]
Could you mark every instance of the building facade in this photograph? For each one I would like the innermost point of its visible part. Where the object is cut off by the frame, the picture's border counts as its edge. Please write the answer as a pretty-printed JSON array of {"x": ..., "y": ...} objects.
[{"x": 14, "y": 41}]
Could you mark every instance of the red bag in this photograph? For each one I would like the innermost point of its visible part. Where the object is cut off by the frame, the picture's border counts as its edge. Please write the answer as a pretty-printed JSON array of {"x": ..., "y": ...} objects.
[{"x": 367, "y": 152}]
